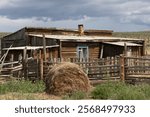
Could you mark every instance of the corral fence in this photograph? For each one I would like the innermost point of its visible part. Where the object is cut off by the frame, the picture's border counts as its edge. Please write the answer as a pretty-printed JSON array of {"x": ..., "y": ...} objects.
[
  {"x": 106, "y": 68},
  {"x": 137, "y": 68},
  {"x": 110, "y": 68}
]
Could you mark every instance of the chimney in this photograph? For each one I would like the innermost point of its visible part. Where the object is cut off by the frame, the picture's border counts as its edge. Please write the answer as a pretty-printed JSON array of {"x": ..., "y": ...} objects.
[{"x": 81, "y": 29}]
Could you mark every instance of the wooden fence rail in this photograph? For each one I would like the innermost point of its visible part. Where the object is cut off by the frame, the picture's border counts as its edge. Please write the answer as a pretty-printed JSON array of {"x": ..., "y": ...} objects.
[
  {"x": 110, "y": 68},
  {"x": 105, "y": 68}
]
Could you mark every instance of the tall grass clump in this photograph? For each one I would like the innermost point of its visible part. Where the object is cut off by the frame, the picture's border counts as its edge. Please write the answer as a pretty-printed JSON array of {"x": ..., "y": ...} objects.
[
  {"x": 22, "y": 87},
  {"x": 121, "y": 91}
]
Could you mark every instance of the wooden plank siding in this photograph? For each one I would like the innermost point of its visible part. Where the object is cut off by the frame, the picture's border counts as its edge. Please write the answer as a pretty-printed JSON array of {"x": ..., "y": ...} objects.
[
  {"x": 69, "y": 49},
  {"x": 94, "y": 50}
]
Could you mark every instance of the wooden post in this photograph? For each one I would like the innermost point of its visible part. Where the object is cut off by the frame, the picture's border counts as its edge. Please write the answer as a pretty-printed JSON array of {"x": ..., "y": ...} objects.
[
  {"x": 41, "y": 65},
  {"x": 44, "y": 47},
  {"x": 41, "y": 69},
  {"x": 11, "y": 60},
  {"x": 122, "y": 67},
  {"x": 125, "y": 49},
  {"x": 60, "y": 49},
  {"x": 25, "y": 62},
  {"x": 102, "y": 50}
]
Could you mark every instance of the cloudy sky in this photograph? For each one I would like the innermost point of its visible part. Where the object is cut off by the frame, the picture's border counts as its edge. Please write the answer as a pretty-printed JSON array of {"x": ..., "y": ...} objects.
[{"x": 117, "y": 15}]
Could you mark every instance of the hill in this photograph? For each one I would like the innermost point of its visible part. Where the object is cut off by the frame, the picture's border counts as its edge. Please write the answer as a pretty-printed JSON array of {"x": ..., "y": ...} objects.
[
  {"x": 2, "y": 34},
  {"x": 140, "y": 35}
]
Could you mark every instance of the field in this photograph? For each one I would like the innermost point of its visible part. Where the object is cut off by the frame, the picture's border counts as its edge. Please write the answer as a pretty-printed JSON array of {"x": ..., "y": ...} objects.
[{"x": 18, "y": 90}]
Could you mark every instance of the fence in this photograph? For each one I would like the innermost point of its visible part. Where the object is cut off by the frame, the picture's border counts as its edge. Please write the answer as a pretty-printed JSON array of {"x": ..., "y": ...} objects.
[
  {"x": 112, "y": 68},
  {"x": 137, "y": 67},
  {"x": 106, "y": 68}
]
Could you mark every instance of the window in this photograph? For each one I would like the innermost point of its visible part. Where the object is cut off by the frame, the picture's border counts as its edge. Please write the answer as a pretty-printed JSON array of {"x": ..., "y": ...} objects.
[{"x": 82, "y": 52}]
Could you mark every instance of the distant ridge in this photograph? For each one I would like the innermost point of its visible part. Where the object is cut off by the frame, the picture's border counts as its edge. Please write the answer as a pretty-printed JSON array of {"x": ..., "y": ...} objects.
[
  {"x": 140, "y": 34},
  {"x": 2, "y": 34}
]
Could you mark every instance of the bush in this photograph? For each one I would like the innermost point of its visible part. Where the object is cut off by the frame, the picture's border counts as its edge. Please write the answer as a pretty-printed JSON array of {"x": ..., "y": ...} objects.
[{"x": 121, "y": 91}]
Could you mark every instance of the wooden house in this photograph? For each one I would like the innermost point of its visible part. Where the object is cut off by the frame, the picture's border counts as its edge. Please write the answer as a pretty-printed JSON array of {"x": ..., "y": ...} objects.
[{"x": 49, "y": 43}]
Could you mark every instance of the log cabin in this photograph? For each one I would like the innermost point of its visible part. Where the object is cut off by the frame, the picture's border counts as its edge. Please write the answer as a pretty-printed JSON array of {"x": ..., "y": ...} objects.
[{"x": 48, "y": 43}]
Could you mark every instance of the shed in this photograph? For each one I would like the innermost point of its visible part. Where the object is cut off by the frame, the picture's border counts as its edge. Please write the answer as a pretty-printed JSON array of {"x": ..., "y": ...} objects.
[{"x": 69, "y": 43}]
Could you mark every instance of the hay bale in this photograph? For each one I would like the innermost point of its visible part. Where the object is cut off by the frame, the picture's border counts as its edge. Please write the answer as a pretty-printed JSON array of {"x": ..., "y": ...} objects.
[{"x": 66, "y": 78}]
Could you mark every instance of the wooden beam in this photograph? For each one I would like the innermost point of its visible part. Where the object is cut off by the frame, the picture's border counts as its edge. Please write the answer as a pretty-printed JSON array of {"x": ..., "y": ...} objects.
[
  {"x": 102, "y": 51},
  {"x": 5, "y": 55},
  {"x": 12, "y": 59},
  {"x": 144, "y": 47},
  {"x": 44, "y": 47},
  {"x": 60, "y": 50}
]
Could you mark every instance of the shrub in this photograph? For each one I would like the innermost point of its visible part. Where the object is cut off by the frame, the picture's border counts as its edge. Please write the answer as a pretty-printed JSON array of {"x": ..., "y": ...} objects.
[{"x": 121, "y": 91}]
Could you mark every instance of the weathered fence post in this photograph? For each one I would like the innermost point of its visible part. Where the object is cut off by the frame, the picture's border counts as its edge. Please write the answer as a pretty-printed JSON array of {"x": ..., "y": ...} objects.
[
  {"x": 122, "y": 67},
  {"x": 11, "y": 60},
  {"x": 44, "y": 47},
  {"x": 41, "y": 69},
  {"x": 25, "y": 62}
]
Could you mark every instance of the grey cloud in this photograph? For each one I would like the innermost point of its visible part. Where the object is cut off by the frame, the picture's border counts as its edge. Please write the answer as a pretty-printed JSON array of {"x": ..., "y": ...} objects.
[{"x": 121, "y": 10}]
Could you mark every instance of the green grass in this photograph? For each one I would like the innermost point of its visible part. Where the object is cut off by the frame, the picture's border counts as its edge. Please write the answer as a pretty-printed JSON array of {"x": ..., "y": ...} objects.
[
  {"x": 22, "y": 87},
  {"x": 121, "y": 91},
  {"x": 78, "y": 95},
  {"x": 107, "y": 91}
]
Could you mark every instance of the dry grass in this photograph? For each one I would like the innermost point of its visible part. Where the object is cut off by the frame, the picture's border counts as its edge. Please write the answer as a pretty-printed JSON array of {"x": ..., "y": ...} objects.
[{"x": 28, "y": 96}]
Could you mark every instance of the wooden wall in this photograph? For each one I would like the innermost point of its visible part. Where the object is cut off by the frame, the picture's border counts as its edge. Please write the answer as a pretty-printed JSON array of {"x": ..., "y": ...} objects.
[
  {"x": 50, "y": 53},
  {"x": 37, "y": 41},
  {"x": 137, "y": 51},
  {"x": 17, "y": 39},
  {"x": 94, "y": 50},
  {"x": 112, "y": 50},
  {"x": 69, "y": 49}
]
